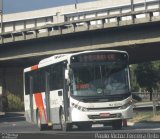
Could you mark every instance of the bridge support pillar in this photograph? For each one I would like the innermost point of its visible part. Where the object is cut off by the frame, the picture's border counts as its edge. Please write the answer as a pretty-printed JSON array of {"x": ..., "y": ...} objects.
[{"x": 11, "y": 83}]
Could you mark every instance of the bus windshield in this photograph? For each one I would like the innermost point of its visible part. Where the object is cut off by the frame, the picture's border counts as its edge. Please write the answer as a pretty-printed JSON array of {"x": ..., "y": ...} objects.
[{"x": 99, "y": 79}]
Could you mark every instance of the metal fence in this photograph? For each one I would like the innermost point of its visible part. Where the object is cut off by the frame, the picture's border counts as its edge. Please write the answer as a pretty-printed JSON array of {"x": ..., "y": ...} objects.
[{"x": 145, "y": 96}]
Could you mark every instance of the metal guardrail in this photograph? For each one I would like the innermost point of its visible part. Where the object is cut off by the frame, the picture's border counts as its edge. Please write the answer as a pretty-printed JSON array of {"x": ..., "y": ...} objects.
[
  {"x": 146, "y": 104},
  {"x": 87, "y": 24},
  {"x": 154, "y": 105}
]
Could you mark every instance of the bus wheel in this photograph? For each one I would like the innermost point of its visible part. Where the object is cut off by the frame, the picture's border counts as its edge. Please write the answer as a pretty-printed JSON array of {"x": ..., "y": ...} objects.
[
  {"x": 64, "y": 125},
  {"x": 40, "y": 126},
  {"x": 117, "y": 124}
]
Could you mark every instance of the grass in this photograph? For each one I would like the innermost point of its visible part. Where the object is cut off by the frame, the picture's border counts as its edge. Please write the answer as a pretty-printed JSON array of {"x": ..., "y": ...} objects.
[{"x": 145, "y": 117}]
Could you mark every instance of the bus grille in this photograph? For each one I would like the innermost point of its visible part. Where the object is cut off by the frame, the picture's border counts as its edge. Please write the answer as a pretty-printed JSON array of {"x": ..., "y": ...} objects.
[{"x": 99, "y": 117}]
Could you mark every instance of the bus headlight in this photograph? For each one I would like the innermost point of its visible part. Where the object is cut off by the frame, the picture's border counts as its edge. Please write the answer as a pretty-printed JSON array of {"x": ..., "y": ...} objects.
[
  {"x": 126, "y": 105},
  {"x": 79, "y": 107}
]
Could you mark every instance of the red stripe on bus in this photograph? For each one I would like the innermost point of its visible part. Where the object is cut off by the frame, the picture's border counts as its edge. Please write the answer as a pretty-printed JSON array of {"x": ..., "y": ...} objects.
[
  {"x": 40, "y": 105},
  {"x": 34, "y": 67}
]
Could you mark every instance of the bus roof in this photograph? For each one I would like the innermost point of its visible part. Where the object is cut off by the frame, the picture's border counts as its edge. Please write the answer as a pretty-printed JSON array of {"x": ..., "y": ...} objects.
[{"x": 62, "y": 57}]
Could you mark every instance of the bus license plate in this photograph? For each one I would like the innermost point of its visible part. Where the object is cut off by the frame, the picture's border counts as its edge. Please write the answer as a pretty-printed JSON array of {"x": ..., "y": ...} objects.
[{"x": 104, "y": 115}]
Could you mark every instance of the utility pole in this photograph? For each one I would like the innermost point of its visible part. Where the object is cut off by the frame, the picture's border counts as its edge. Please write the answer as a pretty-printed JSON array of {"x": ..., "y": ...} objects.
[
  {"x": 145, "y": 5},
  {"x": 1, "y": 89},
  {"x": 76, "y": 4},
  {"x": 132, "y": 5},
  {"x": 1, "y": 12}
]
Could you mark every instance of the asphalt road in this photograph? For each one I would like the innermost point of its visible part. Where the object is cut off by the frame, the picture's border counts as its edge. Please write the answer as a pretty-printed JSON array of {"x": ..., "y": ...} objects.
[{"x": 15, "y": 123}]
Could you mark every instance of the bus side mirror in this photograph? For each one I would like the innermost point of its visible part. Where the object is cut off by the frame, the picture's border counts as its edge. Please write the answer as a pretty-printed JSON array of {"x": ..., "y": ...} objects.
[
  {"x": 66, "y": 74},
  {"x": 67, "y": 77}
]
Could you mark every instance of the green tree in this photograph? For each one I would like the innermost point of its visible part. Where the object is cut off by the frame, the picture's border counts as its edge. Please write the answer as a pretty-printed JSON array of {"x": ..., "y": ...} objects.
[
  {"x": 148, "y": 76},
  {"x": 134, "y": 84},
  {"x": 157, "y": 66}
]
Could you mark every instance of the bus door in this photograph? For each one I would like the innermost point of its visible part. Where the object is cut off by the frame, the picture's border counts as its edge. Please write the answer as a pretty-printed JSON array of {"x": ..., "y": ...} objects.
[
  {"x": 65, "y": 95},
  {"x": 47, "y": 95},
  {"x": 31, "y": 97}
]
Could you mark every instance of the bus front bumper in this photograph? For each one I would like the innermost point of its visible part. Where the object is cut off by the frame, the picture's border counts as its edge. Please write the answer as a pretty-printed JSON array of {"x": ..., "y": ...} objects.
[{"x": 101, "y": 115}]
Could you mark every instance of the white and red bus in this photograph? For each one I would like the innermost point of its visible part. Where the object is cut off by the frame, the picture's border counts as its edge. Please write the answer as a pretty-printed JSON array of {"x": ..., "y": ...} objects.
[{"x": 81, "y": 89}]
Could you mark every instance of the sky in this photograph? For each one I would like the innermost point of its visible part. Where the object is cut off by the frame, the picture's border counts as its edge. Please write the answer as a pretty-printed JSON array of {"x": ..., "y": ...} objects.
[{"x": 13, "y": 6}]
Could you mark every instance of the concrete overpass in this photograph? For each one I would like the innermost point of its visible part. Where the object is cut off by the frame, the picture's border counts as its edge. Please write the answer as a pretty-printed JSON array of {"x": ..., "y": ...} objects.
[
  {"x": 140, "y": 40},
  {"x": 134, "y": 28},
  {"x": 95, "y": 25}
]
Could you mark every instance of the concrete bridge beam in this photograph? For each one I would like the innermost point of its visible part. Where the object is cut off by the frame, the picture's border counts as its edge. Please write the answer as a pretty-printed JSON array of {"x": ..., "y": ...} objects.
[{"x": 128, "y": 38}]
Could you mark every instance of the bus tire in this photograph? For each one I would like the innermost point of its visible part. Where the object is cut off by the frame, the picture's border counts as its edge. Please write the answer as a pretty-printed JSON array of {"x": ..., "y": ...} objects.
[
  {"x": 117, "y": 124},
  {"x": 64, "y": 126},
  {"x": 40, "y": 126}
]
